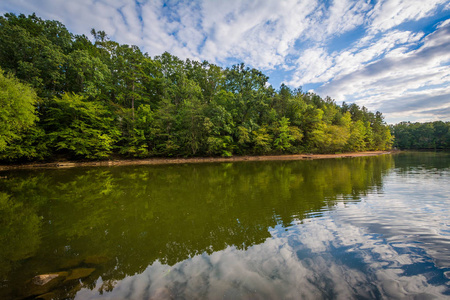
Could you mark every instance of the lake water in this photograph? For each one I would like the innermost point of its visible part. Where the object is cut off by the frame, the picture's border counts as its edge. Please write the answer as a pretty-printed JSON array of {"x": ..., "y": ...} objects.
[{"x": 352, "y": 228}]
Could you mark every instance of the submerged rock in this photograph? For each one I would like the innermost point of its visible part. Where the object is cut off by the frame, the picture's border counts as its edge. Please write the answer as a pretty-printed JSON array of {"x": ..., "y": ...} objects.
[
  {"x": 44, "y": 283},
  {"x": 43, "y": 279},
  {"x": 79, "y": 273}
]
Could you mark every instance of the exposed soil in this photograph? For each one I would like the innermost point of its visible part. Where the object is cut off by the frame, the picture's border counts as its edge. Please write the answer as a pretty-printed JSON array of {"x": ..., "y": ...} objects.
[{"x": 160, "y": 161}]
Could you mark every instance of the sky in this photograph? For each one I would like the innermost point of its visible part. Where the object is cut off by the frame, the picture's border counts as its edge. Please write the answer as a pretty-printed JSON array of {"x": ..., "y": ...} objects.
[{"x": 391, "y": 56}]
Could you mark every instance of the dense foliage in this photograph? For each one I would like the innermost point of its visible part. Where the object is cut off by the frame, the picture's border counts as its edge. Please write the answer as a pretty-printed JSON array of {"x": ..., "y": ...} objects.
[
  {"x": 101, "y": 98},
  {"x": 430, "y": 135}
]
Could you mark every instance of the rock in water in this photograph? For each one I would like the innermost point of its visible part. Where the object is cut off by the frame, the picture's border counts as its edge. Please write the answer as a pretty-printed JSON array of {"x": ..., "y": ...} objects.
[
  {"x": 80, "y": 273},
  {"x": 42, "y": 284},
  {"x": 43, "y": 279}
]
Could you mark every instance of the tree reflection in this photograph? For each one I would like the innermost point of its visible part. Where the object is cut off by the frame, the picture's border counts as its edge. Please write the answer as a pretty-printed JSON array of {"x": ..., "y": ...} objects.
[
  {"x": 19, "y": 233},
  {"x": 121, "y": 220}
]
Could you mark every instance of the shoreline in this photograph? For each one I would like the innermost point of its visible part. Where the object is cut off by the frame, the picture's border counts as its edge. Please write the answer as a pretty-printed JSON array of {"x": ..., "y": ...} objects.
[{"x": 170, "y": 161}]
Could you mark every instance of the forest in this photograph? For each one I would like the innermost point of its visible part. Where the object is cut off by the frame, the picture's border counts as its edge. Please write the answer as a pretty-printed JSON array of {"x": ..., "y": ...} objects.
[
  {"x": 63, "y": 95},
  {"x": 429, "y": 135}
]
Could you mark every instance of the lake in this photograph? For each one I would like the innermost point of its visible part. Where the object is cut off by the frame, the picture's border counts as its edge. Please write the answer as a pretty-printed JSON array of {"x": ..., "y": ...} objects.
[{"x": 351, "y": 228}]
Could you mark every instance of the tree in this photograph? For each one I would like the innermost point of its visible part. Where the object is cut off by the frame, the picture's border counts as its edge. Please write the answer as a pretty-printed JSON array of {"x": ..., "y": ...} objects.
[
  {"x": 262, "y": 140},
  {"x": 141, "y": 142},
  {"x": 86, "y": 74},
  {"x": 35, "y": 51},
  {"x": 127, "y": 72},
  {"x": 220, "y": 127},
  {"x": 356, "y": 141},
  {"x": 286, "y": 135},
  {"x": 80, "y": 128},
  {"x": 429, "y": 135},
  {"x": 17, "y": 109}
]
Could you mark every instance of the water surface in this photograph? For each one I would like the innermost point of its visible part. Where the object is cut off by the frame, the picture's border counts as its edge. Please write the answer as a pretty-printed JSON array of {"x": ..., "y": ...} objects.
[{"x": 353, "y": 228}]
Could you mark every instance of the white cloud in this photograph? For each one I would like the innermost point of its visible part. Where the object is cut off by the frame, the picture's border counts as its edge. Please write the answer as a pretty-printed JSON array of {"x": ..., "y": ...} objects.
[
  {"x": 429, "y": 104},
  {"x": 444, "y": 23},
  {"x": 396, "y": 82},
  {"x": 311, "y": 66},
  {"x": 260, "y": 33},
  {"x": 316, "y": 65},
  {"x": 157, "y": 30},
  {"x": 390, "y": 13},
  {"x": 340, "y": 17}
]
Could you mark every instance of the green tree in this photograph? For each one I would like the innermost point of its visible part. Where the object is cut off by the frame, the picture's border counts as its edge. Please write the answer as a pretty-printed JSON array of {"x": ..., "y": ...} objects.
[
  {"x": 17, "y": 110},
  {"x": 356, "y": 141},
  {"x": 442, "y": 134},
  {"x": 286, "y": 136},
  {"x": 80, "y": 128},
  {"x": 262, "y": 140},
  {"x": 429, "y": 135},
  {"x": 192, "y": 121},
  {"x": 35, "y": 50},
  {"x": 220, "y": 126},
  {"x": 313, "y": 127},
  {"x": 86, "y": 74},
  {"x": 141, "y": 142}
]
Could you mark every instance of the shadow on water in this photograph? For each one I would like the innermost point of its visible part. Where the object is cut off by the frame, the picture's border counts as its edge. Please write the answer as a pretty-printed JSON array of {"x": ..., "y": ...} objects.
[{"x": 112, "y": 223}]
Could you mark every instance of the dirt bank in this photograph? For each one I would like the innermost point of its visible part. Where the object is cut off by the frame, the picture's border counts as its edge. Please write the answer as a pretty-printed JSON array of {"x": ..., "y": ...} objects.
[{"x": 159, "y": 161}]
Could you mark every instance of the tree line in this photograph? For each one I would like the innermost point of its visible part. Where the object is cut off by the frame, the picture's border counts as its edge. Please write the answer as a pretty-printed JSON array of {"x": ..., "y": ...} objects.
[
  {"x": 429, "y": 135},
  {"x": 65, "y": 95}
]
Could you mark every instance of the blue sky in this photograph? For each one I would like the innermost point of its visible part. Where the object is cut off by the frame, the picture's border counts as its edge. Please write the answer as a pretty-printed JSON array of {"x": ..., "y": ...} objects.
[{"x": 388, "y": 55}]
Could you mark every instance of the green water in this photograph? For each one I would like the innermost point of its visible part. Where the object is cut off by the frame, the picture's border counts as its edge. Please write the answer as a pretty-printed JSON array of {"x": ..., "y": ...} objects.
[{"x": 368, "y": 227}]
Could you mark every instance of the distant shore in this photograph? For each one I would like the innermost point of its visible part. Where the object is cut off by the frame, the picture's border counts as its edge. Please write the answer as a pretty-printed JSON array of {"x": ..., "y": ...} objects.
[{"x": 163, "y": 161}]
